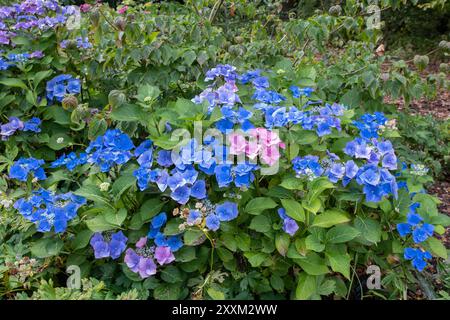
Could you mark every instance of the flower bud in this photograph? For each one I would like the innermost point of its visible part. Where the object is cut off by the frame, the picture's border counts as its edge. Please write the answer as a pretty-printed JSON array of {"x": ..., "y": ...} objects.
[
  {"x": 444, "y": 67},
  {"x": 70, "y": 101},
  {"x": 104, "y": 186},
  {"x": 421, "y": 62},
  {"x": 335, "y": 10},
  {"x": 116, "y": 98},
  {"x": 445, "y": 45},
  {"x": 239, "y": 39}
]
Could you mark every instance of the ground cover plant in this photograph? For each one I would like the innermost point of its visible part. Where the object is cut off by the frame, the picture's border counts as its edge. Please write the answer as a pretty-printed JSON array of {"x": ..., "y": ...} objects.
[{"x": 215, "y": 150}]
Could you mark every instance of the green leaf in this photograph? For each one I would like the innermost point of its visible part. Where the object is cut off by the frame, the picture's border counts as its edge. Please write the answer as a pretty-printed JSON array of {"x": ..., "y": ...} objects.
[
  {"x": 185, "y": 254},
  {"x": 312, "y": 206},
  {"x": 437, "y": 247},
  {"x": 327, "y": 287},
  {"x": 339, "y": 260},
  {"x": 259, "y": 204},
  {"x": 171, "y": 274},
  {"x": 128, "y": 112},
  {"x": 189, "y": 57},
  {"x": 243, "y": 241},
  {"x": 81, "y": 240},
  {"x": 116, "y": 218},
  {"x": 150, "y": 208},
  {"x": 313, "y": 243},
  {"x": 122, "y": 184},
  {"x": 59, "y": 141},
  {"x": 173, "y": 227},
  {"x": 306, "y": 286},
  {"x": 167, "y": 292},
  {"x": 39, "y": 76},
  {"x": 341, "y": 233},
  {"x": 166, "y": 142},
  {"x": 305, "y": 137},
  {"x": 282, "y": 241},
  {"x": 99, "y": 224},
  {"x": 260, "y": 223},
  {"x": 229, "y": 241},
  {"x": 92, "y": 192},
  {"x": 13, "y": 82},
  {"x": 292, "y": 183},
  {"x": 318, "y": 186},
  {"x": 370, "y": 229},
  {"x": 97, "y": 127},
  {"x": 147, "y": 91},
  {"x": 192, "y": 237},
  {"x": 46, "y": 247},
  {"x": 187, "y": 109},
  {"x": 256, "y": 258},
  {"x": 215, "y": 294},
  {"x": 440, "y": 219},
  {"x": 224, "y": 254},
  {"x": 312, "y": 264},
  {"x": 293, "y": 209},
  {"x": 277, "y": 282},
  {"x": 330, "y": 218}
]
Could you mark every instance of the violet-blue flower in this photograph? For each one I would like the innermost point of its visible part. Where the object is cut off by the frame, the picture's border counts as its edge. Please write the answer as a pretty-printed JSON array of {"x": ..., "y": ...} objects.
[{"x": 227, "y": 211}]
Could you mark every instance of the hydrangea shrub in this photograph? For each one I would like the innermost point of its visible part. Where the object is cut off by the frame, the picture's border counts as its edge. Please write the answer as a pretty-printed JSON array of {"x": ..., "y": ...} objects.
[{"x": 254, "y": 187}]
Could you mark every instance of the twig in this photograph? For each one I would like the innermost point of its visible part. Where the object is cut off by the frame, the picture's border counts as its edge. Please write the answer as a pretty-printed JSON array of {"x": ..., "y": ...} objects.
[
  {"x": 214, "y": 10},
  {"x": 107, "y": 20}
]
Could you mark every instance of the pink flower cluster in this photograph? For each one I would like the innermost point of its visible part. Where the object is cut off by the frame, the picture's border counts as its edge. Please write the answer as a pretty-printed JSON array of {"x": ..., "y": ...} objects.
[
  {"x": 122, "y": 10},
  {"x": 262, "y": 142},
  {"x": 85, "y": 7},
  {"x": 141, "y": 261}
]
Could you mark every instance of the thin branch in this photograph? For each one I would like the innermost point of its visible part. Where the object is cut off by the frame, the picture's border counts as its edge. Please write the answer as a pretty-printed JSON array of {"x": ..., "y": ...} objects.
[{"x": 214, "y": 10}]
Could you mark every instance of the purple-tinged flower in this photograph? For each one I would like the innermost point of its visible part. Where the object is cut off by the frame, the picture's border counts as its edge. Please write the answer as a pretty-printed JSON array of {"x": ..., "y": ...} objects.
[
  {"x": 389, "y": 161},
  {"x": 282, "y": 213},
  {"x": 132, "y": 260},
  {"x": 24, "y": 166},
  {"x": 198, "y": 189},
  {"x": 47, "y": 209},
  {"x": 298, "y": 92},
  {"x": 418, "y": 257},
  {"x": 32, "y": 125},
  {"x": 113, "y": 148},
  {"x": 164, "y": 255},
  {"x": 146, "y": 267},
  {"x": 212, "y": 222},
  {"x": 117, "y": 245},
  {"x": 226, "y": 71},
  {"x": 290, "y": 226},
  {"x": 227, "y": 211},
  {"x": 181, "y": 194},
  {"x": 141, "y": 242},
  {"x": 336, "y": 172},
  {"x": 165, "y": 158},
  {"x": 110, "y": 246},
  {"x": 260, "y": 82},
  {"x": 249, "y": 75},
  {"x": 159, "y": 220},
  {"x": 194, "y": 217},
  {"x": 101, "y": 247},
  {"x": 420, "y": 231}
]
